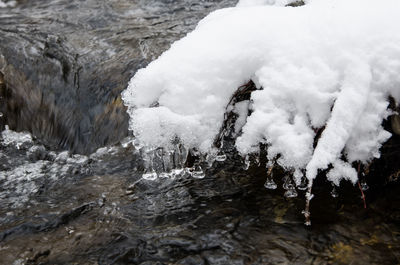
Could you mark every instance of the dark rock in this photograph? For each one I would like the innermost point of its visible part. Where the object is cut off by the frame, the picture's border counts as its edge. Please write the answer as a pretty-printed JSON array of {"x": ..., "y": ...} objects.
[{"x": 64, "y": 64}]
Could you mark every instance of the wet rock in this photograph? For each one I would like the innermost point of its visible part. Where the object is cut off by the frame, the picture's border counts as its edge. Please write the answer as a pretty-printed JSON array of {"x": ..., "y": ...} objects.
[{"x": 64, "y": 64}]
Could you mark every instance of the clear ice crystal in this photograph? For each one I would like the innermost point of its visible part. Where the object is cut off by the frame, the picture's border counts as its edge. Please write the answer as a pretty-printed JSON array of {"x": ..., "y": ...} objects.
[
  {"x": 291, "y": 192},
  {"x": 287, "y": 182},
  {"x": 150, "y": 175},
  {"x": 270, "y": 184},
  {"x": 364, "y": 185},
  {"x": 210, "y": 158},
  {"x": 303, "y": 184},
  {"x": 246, "y": 162},
  {"x": 177, "y": 172},
  {"x": 198, "y": 172},
  {"x": 334, "y": 192},
  {"x": 221, "y": 156}
]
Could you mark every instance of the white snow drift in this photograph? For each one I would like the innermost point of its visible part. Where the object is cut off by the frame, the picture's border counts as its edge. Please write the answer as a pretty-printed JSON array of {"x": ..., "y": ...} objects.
[{"x": 330, "y": 64}]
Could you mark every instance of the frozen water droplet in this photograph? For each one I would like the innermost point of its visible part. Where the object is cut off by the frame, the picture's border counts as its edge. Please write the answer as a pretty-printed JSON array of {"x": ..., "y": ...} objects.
[
  {"x": 164, "y": 175},
  {"x": 150, "y": 175},
  {"x": 307, "y": 216},
  {"x": 334, "y": 193},
  {"x": 198, "y": 172},
  {"x": 303, "y": 184},
  {"x": 270, "y": 184},
  {"x": 176, "y": 171},
  {"x": 246, "y": 162},
  {"x": 159, "y": 152},
  {"x": 306, "y": 213},
  {"x": 364, "y": 185},
  {"x": 221, "y": 156},
  {"x": 137, "y": 144},
  {"x": 210, "y": 158},
  {"x": 291, "y": 192}
]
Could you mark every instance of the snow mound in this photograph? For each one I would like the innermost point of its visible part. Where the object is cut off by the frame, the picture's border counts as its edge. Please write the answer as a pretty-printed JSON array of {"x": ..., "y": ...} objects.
[{"x": 327, "y": 66}]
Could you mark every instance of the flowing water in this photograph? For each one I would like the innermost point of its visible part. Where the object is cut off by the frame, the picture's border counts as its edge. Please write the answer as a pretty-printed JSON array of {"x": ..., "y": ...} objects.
[{"x": 61, "y": 207}]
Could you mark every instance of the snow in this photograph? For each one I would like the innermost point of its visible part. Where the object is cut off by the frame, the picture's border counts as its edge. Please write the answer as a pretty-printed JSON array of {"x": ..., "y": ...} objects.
[{"x": 329, "y": 65}]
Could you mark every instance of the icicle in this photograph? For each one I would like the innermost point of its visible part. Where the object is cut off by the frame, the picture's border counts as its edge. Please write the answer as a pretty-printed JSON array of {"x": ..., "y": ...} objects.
[
  {"x": 167, "y": 163},
  {"x": 270, "y": 183},
  {"x": 291, "y": 192},
  {"x": 257, "y": 159},
  {"x": 307, "y": 216},
  {"x": 334, "y": 192},
  {"x": 246, "y": 162},
  {"x": 306, "y": 211},
  {"x": 221, "y": 156},
  {"x": 303, "y": 184},
  {"x": 198, "y": 172},
  {"x": 178, "y": 159},
  {"x": 364, "y": 185},
  {"x": 149, "y": 172},
  {"x": 210, "y": 158},
  {"x": 137, "y": 144},
  {"x": 287, "y": 182},
  {"x": 158, "y": 161}
]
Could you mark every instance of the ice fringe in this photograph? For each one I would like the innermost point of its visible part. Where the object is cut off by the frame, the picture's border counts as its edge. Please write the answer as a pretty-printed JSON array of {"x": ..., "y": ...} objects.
[{"x": 330, "y": 65}]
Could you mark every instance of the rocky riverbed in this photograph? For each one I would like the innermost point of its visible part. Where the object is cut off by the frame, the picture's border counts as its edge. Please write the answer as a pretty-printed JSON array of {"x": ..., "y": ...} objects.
[{"x": 63, "y": 65}]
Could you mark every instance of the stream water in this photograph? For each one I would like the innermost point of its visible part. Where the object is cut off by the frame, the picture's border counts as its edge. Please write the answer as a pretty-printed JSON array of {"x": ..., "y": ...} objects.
[{"x": 63, "y": 66}]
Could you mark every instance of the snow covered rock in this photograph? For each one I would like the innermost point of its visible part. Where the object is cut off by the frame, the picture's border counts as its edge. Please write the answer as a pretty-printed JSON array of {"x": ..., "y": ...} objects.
[{"x": 329, "y": 65}]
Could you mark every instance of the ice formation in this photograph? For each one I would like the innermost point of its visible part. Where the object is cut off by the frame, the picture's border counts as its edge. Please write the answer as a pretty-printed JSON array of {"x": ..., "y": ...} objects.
[{"x": 328, "y": 66}]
